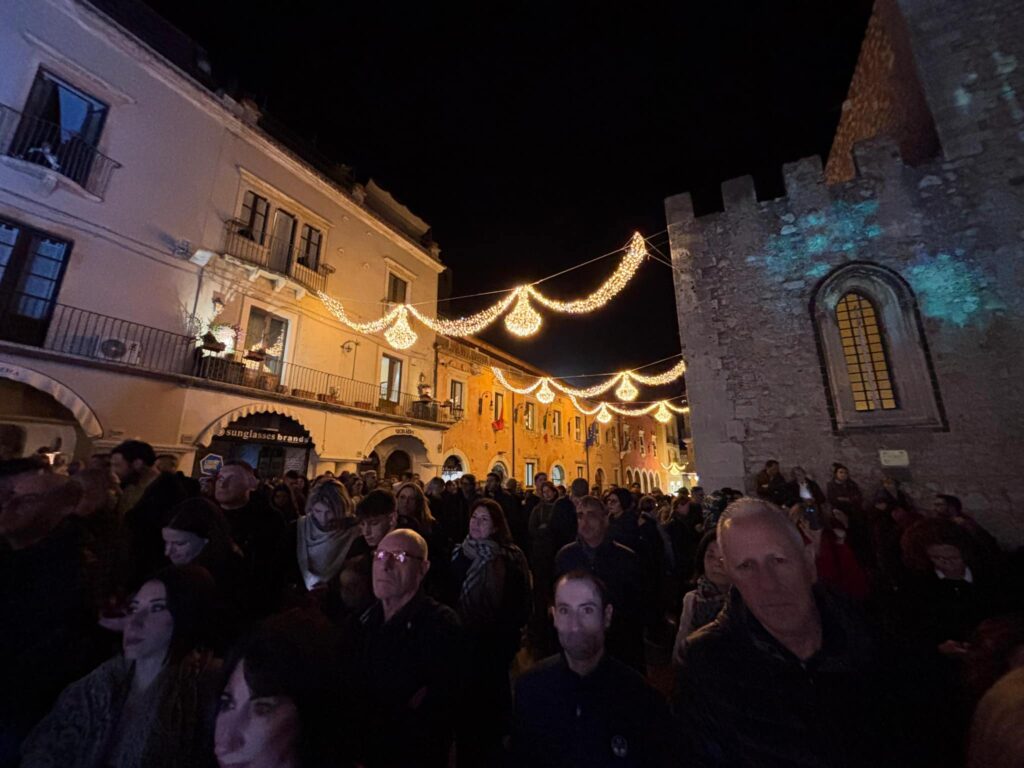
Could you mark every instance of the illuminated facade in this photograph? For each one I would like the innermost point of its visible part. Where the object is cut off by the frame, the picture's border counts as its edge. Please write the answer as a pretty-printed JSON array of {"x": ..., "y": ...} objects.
[
  {"x": 873, "y": 315},
  {"x": 519, "y": 436},
  {"x": 163, "y": 255}
]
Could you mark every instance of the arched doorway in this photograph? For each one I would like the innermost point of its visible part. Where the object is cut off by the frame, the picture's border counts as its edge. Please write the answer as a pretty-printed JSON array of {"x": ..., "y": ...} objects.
[
  {"x": 271, "y": 443},
  {"x": 599, "y": 478},
  {"x": 629, "y": 477},
  {"x": 453, "y": 468},
  {"x": 398, "y": 463},
  {"x": 500, "y": 470}
]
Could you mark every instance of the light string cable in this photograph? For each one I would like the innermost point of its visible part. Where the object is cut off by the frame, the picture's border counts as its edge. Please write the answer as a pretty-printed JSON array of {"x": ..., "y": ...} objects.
[
  {"x": 523, "y": 320},
  {"x": 626, "y": 391}
]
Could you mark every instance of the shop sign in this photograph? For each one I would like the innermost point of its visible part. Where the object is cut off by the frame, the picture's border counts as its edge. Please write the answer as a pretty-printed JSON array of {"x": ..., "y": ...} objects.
[
  {"x": 263, "y": 436},
  {"x": 894, "y": 458},
  {"x": 404, "y": 431},
  {"x": 211, "y": 464}
]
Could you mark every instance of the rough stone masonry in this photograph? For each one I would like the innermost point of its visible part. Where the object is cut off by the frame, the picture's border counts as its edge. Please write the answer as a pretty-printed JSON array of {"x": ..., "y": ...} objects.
[{"x": 949, "y": 230}]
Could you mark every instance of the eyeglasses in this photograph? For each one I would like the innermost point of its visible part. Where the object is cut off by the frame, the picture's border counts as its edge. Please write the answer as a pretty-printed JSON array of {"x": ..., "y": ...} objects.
[{"x": 382, "y": 556}]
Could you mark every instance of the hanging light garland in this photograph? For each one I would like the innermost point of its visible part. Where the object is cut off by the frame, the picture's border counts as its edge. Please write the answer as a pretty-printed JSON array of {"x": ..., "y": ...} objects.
[
  {"x": 626, "y": 391},
  {"x": 662, "y": 409},
  {"x": 522, "y": 321}
]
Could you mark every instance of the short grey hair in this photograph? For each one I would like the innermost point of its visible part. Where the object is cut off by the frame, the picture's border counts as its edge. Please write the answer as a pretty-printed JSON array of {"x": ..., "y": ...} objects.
[{"x": 748, "y": 508}]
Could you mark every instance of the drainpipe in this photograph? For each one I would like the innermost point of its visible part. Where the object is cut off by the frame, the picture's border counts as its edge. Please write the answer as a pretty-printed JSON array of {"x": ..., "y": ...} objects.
[{"x": 513, "y": 435}]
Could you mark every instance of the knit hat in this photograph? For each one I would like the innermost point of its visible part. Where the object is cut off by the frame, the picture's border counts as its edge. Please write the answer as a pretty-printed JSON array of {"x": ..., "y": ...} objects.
[{"x": 198, "y": 516}]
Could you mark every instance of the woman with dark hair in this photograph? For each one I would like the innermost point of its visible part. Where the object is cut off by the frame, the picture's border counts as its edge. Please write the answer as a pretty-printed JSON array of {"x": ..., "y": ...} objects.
[
  {"x": 495, "y": 602},
  {"x": 282, "y": 499},
  {"x": 277, "y": 707},
  {"x": 414, "y": 512},
  {"x": 144, "y": 707},
  {"x": 702, "y": 604}
]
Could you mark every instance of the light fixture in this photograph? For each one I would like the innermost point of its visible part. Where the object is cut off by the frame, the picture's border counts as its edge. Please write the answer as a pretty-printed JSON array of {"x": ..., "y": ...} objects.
[
  {"x": 662, "y": 414},
  {"x": 544, "y": 394},
  {"x": 523, "y": 320},
  {"x": 626, "y": 391},
  {"x": 603, "y": 415},
  {"x": 401, "y": 335}
]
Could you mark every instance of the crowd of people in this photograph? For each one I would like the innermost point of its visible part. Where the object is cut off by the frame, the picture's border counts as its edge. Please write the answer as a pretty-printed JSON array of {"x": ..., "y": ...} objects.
[{"x": 155, "y": 619}]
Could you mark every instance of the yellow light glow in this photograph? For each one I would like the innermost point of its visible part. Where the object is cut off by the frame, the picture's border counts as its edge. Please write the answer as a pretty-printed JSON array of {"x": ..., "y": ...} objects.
[
  {"x": 401, "y": 335},
  {"x": 603, "y": 415},
  {"x": 662, "y": 414},
  {"x": 673, "y": 373},
  {"x": 523, "y": 320},
  {"x": 544, "y": 394},
  {"x": 626, "y": 391}
]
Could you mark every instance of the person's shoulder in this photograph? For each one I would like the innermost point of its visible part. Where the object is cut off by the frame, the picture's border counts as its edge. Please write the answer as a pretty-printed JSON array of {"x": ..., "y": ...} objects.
[
  {"x": 540, "y": 676},
  {"x": 711, "y": 643},
  {"x": 439, "y": 614},
  {"x": 622, "y": 551}
]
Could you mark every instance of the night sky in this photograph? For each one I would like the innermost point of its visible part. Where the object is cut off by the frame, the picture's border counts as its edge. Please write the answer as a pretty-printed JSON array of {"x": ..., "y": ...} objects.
[{"x": 535, "y": 138}]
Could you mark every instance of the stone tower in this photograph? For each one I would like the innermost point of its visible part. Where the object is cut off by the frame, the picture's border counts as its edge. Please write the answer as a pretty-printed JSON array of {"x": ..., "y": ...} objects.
[{"x": 874, "y": 315}]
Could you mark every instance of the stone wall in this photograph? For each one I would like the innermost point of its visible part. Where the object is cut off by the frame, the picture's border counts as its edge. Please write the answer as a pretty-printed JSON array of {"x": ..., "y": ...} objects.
[{"x": 952, "y": 228}]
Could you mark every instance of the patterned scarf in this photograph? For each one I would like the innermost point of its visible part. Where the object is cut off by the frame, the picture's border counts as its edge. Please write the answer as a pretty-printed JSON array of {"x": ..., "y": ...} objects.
[
  {"x": 709, "y": 600},
  {"x": 480, "y": 599}
]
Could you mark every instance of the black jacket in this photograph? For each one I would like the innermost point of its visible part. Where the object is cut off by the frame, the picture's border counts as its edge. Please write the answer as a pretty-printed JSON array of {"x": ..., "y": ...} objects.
[
  {"x": 750, "y": 702},
  {"x": 405, "y": 678},
  {"x": 619, "y": 568},
  {"x": 611, "y": 717}
]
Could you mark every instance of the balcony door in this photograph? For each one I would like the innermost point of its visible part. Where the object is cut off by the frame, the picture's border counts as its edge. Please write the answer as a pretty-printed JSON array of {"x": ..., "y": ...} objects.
[
  {"x": 281, "y": 241},
  {"x": 32, "y": 265}
]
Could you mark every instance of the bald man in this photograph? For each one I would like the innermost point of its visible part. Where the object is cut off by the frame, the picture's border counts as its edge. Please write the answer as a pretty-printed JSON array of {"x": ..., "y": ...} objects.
[
  {"x": 786, "y": 675},
  {"x": 406, "y": 664}
]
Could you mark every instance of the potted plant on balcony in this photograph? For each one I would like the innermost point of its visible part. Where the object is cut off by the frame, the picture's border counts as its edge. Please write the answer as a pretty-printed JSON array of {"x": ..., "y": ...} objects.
[
  {"x": 211, "y": 344},
  {"x": 256, "y": 354}
]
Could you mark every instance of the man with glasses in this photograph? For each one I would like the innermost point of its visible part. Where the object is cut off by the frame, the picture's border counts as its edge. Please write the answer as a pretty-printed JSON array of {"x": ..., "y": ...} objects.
[{"x": 406, "y": 663}]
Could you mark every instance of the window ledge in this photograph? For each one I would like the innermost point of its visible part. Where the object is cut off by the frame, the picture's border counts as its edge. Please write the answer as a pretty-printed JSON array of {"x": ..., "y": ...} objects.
[{"x": 48, "y": 179}]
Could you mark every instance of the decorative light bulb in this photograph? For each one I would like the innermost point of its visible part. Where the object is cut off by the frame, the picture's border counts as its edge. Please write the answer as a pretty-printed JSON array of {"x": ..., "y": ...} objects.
[
  {"x": 662, "y": 414},
  {"x": 626, "y": 390},
  {"x": 603, "y": 415},
  {"x": 544, "y": 394},
  {"x": 401, "y": 335},
  {"x": 523, "y": 320}
]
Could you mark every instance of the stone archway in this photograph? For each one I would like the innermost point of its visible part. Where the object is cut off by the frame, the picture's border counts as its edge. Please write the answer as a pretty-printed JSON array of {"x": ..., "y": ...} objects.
[
  {"x": 398, "y": 463},
  {"x": 60, "y": 392},
  {"x": 411, "y": 445}
]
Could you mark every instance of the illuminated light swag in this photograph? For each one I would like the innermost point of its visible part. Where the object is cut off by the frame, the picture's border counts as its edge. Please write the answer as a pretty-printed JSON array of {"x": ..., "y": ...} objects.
[
  {"x": 522, "y": 321},
  {"x": 626, "y": 391}
]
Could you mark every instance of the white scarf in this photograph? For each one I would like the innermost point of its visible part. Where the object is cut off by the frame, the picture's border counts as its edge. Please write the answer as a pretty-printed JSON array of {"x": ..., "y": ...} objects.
[{"x": 321, "y": 553}]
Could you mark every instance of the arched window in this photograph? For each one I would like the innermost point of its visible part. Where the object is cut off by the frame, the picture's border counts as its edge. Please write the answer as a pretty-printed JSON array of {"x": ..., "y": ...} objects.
[
  {"x": 864, "y": 349},
  {"x": 876, "y": 366},
  {"x": 452, "y": 469},
  {"x": 557, "y": 474}
]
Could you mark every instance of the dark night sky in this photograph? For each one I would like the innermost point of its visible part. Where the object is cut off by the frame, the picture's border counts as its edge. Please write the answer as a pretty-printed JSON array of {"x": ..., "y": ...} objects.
[{"x": 535, "y": 138}]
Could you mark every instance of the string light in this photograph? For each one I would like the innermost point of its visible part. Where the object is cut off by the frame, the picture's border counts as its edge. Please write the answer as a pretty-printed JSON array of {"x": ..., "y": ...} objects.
[
  {"x": 658, "y": 405},
  {"x": 626, "y": 390},
  {"x": 662, "y": 414},
  {"x": 401, "y": 335},
  {"x": 544, "y": 394},
  {"x": 673, "y": 373},
  {"x": 523, "y": 320},
  {"x": 636, "y": 252},
  {"x": 603, "y": 415}
]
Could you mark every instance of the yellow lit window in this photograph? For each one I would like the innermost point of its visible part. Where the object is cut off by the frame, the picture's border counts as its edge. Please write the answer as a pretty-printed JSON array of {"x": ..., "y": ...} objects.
[{"x": 864, "y": 350}]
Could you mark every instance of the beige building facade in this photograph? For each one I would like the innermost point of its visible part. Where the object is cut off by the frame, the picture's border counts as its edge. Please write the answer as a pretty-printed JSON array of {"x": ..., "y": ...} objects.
[{"x": 162, "y": 261}]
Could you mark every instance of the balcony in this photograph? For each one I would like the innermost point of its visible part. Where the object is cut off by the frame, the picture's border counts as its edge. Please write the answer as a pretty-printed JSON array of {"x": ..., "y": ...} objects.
[
  {"x": 276, "y": 255},
  {"x": 34, "y": 140},
  {"x": 90, "y": 336}
]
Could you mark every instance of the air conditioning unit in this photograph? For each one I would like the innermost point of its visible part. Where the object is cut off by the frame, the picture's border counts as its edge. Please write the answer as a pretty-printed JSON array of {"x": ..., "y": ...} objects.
[{"x": 119, "y": 350}]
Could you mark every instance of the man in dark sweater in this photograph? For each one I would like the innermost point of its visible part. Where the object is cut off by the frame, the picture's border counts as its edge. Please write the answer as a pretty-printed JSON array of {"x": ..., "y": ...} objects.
[
  {"x": 618, "y": 567},
  {"x": 583, "y": 707}
]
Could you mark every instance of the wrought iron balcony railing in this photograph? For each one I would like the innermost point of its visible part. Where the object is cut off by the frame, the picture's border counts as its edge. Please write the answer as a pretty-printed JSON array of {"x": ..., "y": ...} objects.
[
  {"x": 274, "y": 254},
  {"x": 83, "y": 334},
  {"x": 39, "y": 141}
]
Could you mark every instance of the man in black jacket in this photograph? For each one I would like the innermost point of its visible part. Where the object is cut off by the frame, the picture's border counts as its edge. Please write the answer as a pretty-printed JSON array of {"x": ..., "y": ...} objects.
[
  {"x": 618, "y": 567},
  {"x": 405, "y": 668},
  {"x": 583, "y": 707},
  {"x": 786, "y": 675}
]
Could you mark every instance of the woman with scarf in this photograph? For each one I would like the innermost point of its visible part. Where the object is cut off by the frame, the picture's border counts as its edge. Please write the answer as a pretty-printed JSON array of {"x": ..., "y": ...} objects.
[
  {"x": 146, "y": 706},
  {"x": 702, "y": 604},
  {"x": 494, "y": 589},
  {"x": 323, "y": 537}
]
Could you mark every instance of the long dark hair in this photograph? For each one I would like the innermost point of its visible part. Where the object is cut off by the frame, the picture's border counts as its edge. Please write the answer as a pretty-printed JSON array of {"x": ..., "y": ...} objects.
[
  {"x": 706, "y": 541},
  {"x": 190, "y": 599},
  {"x": 292, "y": 655},
  {"x": 502, "y": 533}
]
